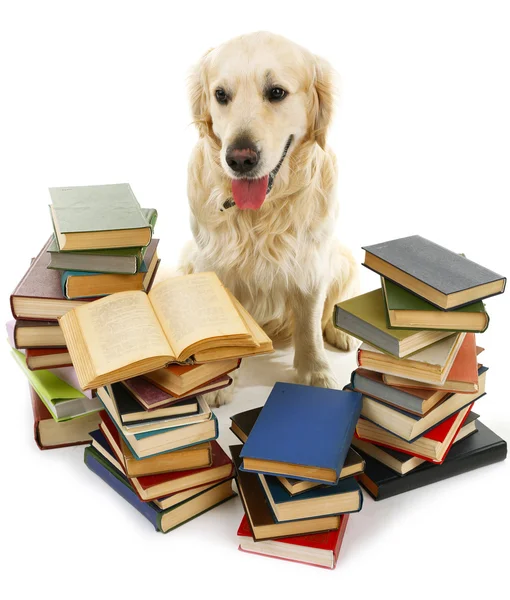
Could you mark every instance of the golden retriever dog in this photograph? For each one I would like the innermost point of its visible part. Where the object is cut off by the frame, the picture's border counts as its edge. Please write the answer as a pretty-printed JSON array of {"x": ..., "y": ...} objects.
[{"x": 261, "y": 185}]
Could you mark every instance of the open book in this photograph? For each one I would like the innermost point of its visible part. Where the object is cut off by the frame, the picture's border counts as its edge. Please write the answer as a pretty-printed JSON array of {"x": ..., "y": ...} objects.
[{"x": 132, "y": 333}]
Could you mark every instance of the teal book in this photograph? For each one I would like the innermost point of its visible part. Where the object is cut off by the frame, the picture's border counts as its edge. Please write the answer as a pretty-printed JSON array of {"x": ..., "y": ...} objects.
[
  {"x": 303, "y": 432},
  {"x": 163, "y": 520},
  {"x": 405, "y": 310},
  {"x": 98, "y": 216},
  {"x": 323, "y": 501},
  {"x": 63, "y": 401}
]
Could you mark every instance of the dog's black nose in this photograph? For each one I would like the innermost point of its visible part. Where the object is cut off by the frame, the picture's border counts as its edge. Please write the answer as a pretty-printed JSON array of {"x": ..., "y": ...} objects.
[{"x": 242, "y": 157}]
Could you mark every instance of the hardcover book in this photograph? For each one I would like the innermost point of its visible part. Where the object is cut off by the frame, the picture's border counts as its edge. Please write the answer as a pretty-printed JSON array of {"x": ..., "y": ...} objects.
[
  {"x": 62, "y": 401},
  {"x": 49, "y": 434},
  {"x": 317, "y": 549},
  {"x": 242, "y": 424},
  {"x": 478, "y": 450},
  {"x": 47, "y": 358},
  {"x": 183, "y": 379},
  {"x": 433, "y": 446},
  {"x": 159, "y": 441},
  {"x": 365, "y": 318},
  {"x": 430, "y": 365},
  {"x": 162, "y": 520},
  {"x": 407, "y": 311},
  {"x": 78, "y": 284},
  {"x": 195, "y": 457},
  {"x": 403, "y": 463},
  {"x": 259, "y": 513},
  {"x": 303, "y": 432},
  {"x": 410, "y": 427},
  {"x": 192, "y": 316},
  {"x": 152, "y": 398},
  {"x": 440, "y": 276},
  {"x": 34, "y": 334},
  {"x": 344, "y": 497},
  {"x": 462, "y": 376},
  {"x": 151, "y": 487},
  {"x": 98, "y": 216}
]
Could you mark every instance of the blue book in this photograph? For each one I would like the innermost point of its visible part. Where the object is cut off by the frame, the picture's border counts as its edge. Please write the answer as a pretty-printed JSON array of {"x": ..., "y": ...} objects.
[
  {"x": 303, "y": 432},
  {"x": 324, "y": 501},
  {"x": 162, "y": 520}
]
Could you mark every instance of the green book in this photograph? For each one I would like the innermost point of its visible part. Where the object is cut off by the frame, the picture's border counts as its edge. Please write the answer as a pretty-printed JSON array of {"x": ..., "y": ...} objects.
[
  {"x": 119, "y": 261},
  {"x": 98, "y": 217},
  {"x": 62, "y": 400},
  {"x": 364, "y": 317},
  {"x": 405, "y": 310}
]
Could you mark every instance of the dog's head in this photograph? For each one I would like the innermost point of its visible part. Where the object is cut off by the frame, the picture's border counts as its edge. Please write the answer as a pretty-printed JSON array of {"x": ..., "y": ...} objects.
[{"x": 257, "y": 98}]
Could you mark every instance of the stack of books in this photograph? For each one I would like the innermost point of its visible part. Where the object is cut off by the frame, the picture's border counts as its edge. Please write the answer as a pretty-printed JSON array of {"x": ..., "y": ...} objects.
[
  {"x": 296, "y": 473},
  {"x": 419, "y": 366},
  {"x": 102, "y": 243}
]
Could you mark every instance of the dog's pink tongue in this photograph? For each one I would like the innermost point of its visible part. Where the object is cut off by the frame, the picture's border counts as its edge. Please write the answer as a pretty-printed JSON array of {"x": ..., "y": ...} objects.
[{"x": 249, "y": 193}]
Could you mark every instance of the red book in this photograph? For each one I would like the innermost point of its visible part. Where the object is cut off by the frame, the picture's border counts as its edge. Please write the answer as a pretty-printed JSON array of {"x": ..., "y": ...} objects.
[
  {"x": 433, "y": 446},
  {"x": 47, "y": 358},
  {"x": 50, "y": 434},
  {"x": 150, "y": 487},
  {"x": 317, "y": 549},
  {"x": 463, "y": 375}
]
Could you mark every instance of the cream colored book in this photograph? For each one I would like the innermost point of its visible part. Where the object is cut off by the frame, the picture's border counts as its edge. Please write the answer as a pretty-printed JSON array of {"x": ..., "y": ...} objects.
[
  {"x": 189, "y": 318},
  {"x": 430, "y": 365}
]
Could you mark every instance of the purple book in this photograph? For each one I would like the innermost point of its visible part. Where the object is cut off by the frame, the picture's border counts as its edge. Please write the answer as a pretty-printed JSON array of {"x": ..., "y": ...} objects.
[{"x": 68, "y": 374}]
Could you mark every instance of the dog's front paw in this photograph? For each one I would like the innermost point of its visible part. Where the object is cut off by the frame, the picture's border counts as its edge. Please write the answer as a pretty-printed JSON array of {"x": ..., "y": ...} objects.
[
  {"x": 339, "y": 339},
  {"x": 319, "y": 378},
  {"x": 220, "y": 397}
]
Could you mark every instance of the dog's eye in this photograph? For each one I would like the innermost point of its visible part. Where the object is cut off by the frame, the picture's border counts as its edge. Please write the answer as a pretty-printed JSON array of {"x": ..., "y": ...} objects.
[
  {"x": 221, "y": 96},
  {"x": 276, "y": 94}
]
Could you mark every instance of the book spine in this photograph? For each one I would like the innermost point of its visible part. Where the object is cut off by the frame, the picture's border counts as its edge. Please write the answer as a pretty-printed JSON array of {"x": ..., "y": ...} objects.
[
  {"x": 145, "y": 508},
  {"x": 417, "y": 479}
]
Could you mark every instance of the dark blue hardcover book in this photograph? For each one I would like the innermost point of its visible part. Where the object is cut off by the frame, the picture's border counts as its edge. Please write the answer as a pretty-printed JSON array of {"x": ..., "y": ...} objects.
[
  {"x": 99, "y": 438},
  {"x": 213, "y": 496},
  {"x": 303, "y": 432},
  {"x": 344, "y": 497}
]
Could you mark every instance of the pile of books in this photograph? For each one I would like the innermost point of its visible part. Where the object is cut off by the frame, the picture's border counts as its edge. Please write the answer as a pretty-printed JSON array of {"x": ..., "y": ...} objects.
[
  {"x": 296, "y": 473},
  {"x": 419, "y": 366},
  {"x": 122, "y": 365}
]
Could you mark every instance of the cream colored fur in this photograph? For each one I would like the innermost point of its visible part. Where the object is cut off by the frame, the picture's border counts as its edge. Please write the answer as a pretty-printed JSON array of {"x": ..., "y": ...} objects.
[{"x": 282, "y": 261}]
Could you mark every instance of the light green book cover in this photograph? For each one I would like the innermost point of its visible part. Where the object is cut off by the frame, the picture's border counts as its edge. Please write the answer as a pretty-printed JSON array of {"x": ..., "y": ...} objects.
[
  {"x": 62, "y": 400},
  {"x": 97, "y": 208}
]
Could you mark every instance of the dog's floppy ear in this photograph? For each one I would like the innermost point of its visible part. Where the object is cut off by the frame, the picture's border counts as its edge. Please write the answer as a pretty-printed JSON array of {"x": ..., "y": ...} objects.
[
  {"x": 198, "y": 95},
  {"x": 323, "y": 99}
]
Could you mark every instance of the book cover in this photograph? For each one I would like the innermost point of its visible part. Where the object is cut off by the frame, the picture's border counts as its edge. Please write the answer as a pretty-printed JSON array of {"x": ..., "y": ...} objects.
[
  {"x": 435, "y": 268},
  {"x": 48, "y": 434},
  {"x": 321, "y": 549},
  {"x": 478, "y": 450},
  {"x": 68, "y": 374},
  {"x": 38, "y": 296},
  {"x": 365, "y": 318},
  {"x": 209, "y": 499},
  {"x": 408, "y": 311},
  {"x": 259, "y": 513},
  {"x": 97, "y": 209},
  {"x": 62, "y": 400},
  {"x": 307, "y": 426}
]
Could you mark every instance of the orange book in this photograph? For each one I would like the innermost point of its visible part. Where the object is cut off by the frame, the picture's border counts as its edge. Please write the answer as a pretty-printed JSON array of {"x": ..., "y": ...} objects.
[{"x": 463, "y": 375}]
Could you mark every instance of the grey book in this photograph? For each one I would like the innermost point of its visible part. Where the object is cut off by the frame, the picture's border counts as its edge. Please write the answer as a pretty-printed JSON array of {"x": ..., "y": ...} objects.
[{"x": 440, "y": 276}]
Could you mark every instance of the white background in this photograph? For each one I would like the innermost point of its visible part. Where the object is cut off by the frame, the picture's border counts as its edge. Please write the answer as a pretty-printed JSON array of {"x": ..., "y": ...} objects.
[{"x": 94, "y": 92}]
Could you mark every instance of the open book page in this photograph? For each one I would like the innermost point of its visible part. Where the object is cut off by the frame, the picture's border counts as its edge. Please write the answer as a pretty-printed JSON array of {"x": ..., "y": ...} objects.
[
  {"x": 121, "y": 329},
  {"x": 196, "y": 308}
]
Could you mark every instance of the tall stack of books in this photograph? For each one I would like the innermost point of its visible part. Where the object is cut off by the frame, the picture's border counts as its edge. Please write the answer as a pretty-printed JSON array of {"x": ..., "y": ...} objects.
[
  {"x": 419, "y": 366},
  {"x": 296, "y": 473},
  {"x": 102, "y": 243}
]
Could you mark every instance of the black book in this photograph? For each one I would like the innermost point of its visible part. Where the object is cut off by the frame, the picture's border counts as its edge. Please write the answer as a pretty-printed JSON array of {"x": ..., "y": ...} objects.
[
  {"x": 444, "y": 278},
  {"x": 478, "y": 450}
]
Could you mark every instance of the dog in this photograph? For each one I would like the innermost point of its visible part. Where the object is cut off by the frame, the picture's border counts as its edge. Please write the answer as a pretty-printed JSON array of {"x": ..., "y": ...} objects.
[{"x": 261, "y": 183}]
